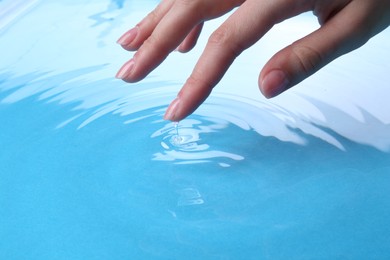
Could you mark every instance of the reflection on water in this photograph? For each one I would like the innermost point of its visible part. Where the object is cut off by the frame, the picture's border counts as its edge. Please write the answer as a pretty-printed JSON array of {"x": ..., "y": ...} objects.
[
  {"x": 90, "y": 170},
  {"x": 95, "y": 93},
  {"x": 94, "y": 99}
]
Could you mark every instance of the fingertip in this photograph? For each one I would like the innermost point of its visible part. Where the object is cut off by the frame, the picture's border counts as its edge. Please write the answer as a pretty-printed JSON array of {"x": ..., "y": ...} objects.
[
  {"x": 183, "y": 49},
  {"x": 128, "y": 38},
  {"x": 190, "y": 41},
  {"x": 274, "y": 83},
  {"x": 125, "y": 71},
  {"x": 171, "y": 113}
]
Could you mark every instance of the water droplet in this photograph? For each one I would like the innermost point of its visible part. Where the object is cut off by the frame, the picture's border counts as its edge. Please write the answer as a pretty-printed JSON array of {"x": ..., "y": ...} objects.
[{"x": 192, "y": 143}]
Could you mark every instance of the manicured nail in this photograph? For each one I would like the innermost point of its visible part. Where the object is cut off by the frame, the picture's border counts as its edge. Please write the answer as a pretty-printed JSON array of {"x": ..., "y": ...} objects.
[
  {"x": 172, "y": 110},
  {"x": 274, "y": 83},
  {"x": 125, "y": 70},
  {"x": 128, "y": 37}
]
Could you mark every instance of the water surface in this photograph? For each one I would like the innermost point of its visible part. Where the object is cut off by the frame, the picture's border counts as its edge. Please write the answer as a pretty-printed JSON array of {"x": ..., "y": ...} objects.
[{"x": 90, "y": 170}]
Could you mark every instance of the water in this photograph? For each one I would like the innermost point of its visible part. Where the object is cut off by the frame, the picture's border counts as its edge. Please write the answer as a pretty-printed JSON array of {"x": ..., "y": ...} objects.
[{"x": 90, "y": 170}]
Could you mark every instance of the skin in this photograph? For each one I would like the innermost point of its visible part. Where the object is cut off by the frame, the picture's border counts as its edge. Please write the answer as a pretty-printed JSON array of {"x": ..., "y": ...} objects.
[{"x": 177, "y": 24}]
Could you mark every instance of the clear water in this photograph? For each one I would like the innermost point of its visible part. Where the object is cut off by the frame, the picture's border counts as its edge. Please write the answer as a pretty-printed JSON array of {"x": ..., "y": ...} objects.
[{"x": 89, "y": 170}]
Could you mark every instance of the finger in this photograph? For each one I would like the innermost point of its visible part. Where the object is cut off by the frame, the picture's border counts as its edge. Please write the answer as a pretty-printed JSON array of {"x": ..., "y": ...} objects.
[
  {"x": 242, "y": 29},
  {"x": 161, "y": 42},
  {"x": 134, "y": 38},
  {"x": 306, "y": 56},
  {"x": 325, "y": 10},
  {"x": 183, "y": 16},
  {"x": 191, "y": 39}
]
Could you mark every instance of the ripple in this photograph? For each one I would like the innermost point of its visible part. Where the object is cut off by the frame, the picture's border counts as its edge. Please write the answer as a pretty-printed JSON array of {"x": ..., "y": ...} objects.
[
  {"x": 192, "y": 142},
  {"x": 148, "y": 99},
  {"x": 209, "y": 135},
  {"x": 211, "y": 132}
]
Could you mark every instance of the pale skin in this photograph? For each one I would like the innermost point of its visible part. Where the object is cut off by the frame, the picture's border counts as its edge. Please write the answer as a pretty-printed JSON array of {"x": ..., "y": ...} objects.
[{"x": 177, "y": 24}]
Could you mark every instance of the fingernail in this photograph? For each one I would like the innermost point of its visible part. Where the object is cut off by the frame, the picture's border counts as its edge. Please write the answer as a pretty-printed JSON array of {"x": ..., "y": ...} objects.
[
  {"x": 172, "y": 110},
  {"x": 178, "y": 48},
  {"x": 125, "y": 70},
  {"x": 274, "y": 83},
  {"x": 128, "y": 37}
]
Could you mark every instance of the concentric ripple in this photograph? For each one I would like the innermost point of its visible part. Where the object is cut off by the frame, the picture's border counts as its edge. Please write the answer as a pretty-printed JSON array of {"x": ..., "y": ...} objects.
[
  {"x": 192, "y": 142},
  {"x": 210, "y": 133}
]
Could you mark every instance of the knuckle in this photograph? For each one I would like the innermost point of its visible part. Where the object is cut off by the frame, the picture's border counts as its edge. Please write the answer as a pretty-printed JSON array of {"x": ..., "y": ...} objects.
[
  {"x": 154, "y": 42},
  {"x": 224, "y": 38},
  {"x": 189, "y": 3},
  {"x": 219, "y": 37},
  {"x": 196, "y": 79},
  {"x": 153, "y": 15},
  {"x": 308, "y": 58},
  {"x": 151, "y": 41},
  {"x": 194, "y": 8}
]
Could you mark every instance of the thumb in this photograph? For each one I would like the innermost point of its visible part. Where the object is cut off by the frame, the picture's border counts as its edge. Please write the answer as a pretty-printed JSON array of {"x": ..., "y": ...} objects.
[
  {"x": 289, "y": 67},
  {"x": 307, "y": 55}
]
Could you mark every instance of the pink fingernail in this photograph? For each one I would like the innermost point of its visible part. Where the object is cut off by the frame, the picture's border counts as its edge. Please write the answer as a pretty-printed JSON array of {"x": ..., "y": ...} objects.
[
  {"x": 125, "y": 70},
  {"x": 274, "y": 83},
  {"x": 172, "y": 110},
  {"x": 128, "y": 37},
  {"x": 178, "y": 48}
]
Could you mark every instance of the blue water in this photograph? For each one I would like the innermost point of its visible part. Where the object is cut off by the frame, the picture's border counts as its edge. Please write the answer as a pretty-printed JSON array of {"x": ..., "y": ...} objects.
[{"x": 90, "y": 170}]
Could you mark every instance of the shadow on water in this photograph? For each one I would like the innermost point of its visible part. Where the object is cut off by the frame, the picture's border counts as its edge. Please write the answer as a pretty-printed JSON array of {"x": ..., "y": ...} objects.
[
  {"x": 91, "y": 100},
  {"x": 369, "y": 130},
  {"x": 89, "y": 170},
  {"x": 122, "y": 128},
  {"x": 103, "y": 173}
]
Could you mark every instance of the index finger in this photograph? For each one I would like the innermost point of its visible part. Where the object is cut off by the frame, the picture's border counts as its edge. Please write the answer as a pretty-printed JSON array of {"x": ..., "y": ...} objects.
[{"x": 250, "y": 22}]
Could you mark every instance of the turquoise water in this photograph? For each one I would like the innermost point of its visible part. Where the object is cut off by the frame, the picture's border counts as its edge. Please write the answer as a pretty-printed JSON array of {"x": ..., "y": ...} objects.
[{"x": 89, "y": 170}]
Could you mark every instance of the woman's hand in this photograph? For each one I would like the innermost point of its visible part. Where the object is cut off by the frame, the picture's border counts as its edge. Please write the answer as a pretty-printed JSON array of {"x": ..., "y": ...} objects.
[{"x": 176, "y": 24}]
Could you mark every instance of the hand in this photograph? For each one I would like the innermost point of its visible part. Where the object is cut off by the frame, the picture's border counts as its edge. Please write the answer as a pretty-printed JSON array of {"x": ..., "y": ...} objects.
[{"x": 176, "y": 24}]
